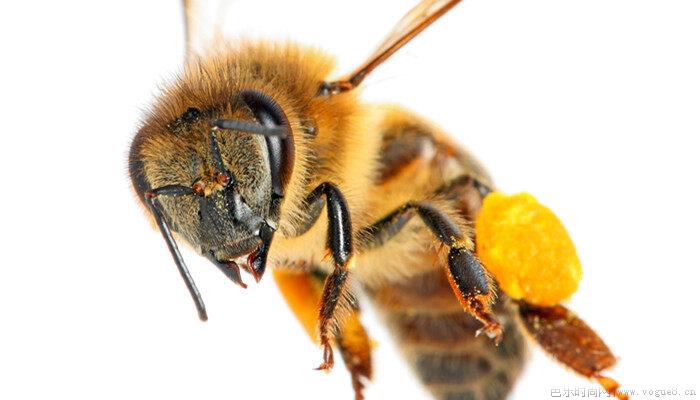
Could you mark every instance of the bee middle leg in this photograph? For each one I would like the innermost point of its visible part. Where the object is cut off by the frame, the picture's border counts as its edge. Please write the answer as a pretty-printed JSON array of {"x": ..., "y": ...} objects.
[
  {"x": 468, "y": 278},
  {"x": 302, "y": 291}
]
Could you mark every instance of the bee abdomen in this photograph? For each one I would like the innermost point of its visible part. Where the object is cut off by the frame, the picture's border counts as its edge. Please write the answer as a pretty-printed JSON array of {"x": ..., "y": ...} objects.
[{"x": 438, "y": 340}]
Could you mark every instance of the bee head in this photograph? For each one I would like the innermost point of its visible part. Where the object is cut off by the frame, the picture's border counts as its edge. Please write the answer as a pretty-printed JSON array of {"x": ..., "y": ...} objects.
[{"x": 216, "y": 177}]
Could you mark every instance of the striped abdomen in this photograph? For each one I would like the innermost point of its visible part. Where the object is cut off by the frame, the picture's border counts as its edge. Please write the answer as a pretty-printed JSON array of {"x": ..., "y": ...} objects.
[{"x": 437, "y": 339}]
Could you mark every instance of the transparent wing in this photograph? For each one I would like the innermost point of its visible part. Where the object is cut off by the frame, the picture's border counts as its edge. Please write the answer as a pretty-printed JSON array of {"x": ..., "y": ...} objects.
[
  {"x": 203, "y": 24},
  {"x": 413, "y": 23}
]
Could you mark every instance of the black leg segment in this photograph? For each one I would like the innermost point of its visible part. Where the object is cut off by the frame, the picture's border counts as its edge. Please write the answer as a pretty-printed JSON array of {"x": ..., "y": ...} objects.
[
  {"x": 340, "y": 244},
  {"x": 339, "y": 228}
]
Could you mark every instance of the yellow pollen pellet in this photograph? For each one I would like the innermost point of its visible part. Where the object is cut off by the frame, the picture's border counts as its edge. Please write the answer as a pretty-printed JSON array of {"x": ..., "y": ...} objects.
[{"x": 527, "y": 249}]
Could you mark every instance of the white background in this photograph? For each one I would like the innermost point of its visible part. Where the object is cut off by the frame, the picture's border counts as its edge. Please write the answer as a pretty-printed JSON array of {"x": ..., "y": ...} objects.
[{"x": 593, "y": 106}]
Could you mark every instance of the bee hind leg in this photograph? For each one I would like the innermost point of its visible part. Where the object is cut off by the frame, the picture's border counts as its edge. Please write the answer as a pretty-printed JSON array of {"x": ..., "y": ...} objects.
[{"x": 566, "y": 337}]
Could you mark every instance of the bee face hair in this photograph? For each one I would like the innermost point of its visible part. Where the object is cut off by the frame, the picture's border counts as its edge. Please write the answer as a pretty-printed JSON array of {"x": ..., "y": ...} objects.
[{"x": 218, "y": 181}]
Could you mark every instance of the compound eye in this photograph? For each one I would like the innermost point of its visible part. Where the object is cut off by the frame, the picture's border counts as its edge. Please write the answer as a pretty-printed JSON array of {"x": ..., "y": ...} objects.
[
  {"x": 223, "y": 179},
  {"x": 198, "y": 188},
  {"x": 280, "y": 150}
]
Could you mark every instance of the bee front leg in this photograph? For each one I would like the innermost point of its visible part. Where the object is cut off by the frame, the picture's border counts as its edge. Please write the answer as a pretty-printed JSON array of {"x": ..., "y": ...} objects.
[
  {"x": 468, "y": 278},
  {"x": 334, "y": 294}
]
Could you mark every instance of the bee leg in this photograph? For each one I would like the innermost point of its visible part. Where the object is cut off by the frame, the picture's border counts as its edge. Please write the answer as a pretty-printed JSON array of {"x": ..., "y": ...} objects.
[
  {"x": 356, "y": 349},
  {"x": 334, "y": 294},
  {"x": 571, "y": 341},
  {"x": 303, "y": 290},
  {"x": 468, "y": 278}
]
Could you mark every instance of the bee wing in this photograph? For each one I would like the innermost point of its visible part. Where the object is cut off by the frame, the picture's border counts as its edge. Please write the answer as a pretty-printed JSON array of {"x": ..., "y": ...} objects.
[
  {"x": 413, "y": 23},
  {"x": 203, "y": 24}
]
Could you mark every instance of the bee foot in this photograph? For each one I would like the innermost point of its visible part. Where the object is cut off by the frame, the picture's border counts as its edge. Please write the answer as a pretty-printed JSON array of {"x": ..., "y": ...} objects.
[
  {"x": 478, "y": 307},
  {"x": 328, "y": 362},
  {"x": 493, "y": 330}
]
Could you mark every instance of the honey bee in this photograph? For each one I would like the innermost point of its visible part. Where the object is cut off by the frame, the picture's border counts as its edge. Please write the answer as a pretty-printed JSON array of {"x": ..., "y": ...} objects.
[{"x": 254, "y": 157}]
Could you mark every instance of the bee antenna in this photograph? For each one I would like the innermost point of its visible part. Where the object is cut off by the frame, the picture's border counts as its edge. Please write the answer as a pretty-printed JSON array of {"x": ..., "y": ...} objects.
[
  {"x": 152, "y": 202},
  {"x": 171, "y": 190},
  {"x": 258, "y": 129}
]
